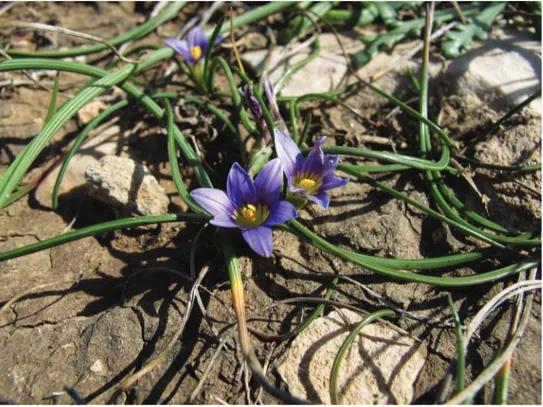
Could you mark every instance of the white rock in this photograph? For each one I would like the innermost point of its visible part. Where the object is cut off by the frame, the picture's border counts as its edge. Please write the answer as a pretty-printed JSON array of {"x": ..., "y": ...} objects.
[
  {"x": 503, "y": 72},
  {"x": 89, "y": 153},
  {"x": 90, "y": 111},
  {"x": 380, "y": 367},
  {"x": 325, "y": 72},
  {"x": 98, "y": 368},
  {"x": 126, "y": 185},
  {"x": 321, "y": 74}
]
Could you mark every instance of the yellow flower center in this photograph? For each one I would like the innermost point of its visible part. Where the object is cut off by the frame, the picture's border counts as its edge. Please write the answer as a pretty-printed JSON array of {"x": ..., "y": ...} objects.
[
  {"x": 196, "y": 53},
  {"x": 251, "y": 216},
  {"x": 249, "y": 213},
  {"x": 306, "y": 184},
  {"x": 309, "y": 182}
]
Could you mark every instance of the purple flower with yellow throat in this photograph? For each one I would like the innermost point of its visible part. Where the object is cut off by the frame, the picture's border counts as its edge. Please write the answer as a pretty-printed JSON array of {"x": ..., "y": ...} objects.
[
  {"x": 194, "y": 48},
  {"x": 252, "y": 207},
  {"x": 309, "y": 177}
]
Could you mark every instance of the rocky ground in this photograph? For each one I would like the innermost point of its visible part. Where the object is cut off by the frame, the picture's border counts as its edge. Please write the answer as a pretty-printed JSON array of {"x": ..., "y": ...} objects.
[{"x": 92, "y": 312}]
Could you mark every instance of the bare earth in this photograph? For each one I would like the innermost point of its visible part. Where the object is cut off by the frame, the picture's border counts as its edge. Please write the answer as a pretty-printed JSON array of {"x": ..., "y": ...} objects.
[{"x": 104, "y": 306}]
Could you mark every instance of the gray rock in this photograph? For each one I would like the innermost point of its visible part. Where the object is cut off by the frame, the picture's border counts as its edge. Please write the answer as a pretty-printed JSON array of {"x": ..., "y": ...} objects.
[
  {"x": 89, "y": 153},
  {"x": 320, "y": 75},
  {"x": 34, "y": 266},
  {"x": 127, "y": 186},
  {"x": 503, "y": 71},
  {"x": 380, "y": 367},
  {"x": 514, "y": 145},
  {"x": 513, "y": 205},
  {"x": 83, "y": 353},
  {"x": 326, "y": 71},
  {"x": 364, "y": 225}
]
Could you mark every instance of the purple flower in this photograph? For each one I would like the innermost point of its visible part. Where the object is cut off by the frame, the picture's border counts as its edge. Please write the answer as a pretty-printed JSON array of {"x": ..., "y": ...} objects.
[
  {"x": 310, "y": 176},
  {"x": 194, "y": 47},
  {"x": 252, "y": 207}
]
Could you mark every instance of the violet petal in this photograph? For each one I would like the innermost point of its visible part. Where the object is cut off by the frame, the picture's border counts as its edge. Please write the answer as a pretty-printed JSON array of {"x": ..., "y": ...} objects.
[
  {"x": 220, "y": 37},
  {"x": 314, "y": 162},
  {"x": 322, "y": 199},
  {"x": 223, "y": 221},
  {"x": 198, "y": 38},
  {"x": 181, "y": 47},
  {"x": 288, "y": 152},
  {"x": 333, "y": 182},
  {"x": 330, "y": 163},
  {"x": 214, "y": 201},
  {"x": 269, "y": 181},
  {"x": 255, "y": 107},
  {"x": 295, "y": 190},
  {"x": 260, "y": 239},
  {"x": 281, "y": 212},
  {"x": 240, "y": 187}
]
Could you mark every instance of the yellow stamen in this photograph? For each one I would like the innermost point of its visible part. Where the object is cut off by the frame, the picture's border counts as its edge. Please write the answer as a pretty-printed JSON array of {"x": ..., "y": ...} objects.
[
  {"x": 196, "y": 52},
  {"x": 307, "y": 184},
  {"x": 251, "y": 216},
  {"x": 249, "y": 213}
]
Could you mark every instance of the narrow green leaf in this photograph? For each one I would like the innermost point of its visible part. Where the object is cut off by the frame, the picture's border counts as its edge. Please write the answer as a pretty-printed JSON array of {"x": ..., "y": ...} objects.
[
  {"x": 317, "y": 241},
  {"x": 463, "y": 35},
  {"x": 53, "y": 103},
  {"x": 77, "y": 143},
  {"x": 174, "y": 165},
  {"x": 214, "y": 35},
  {"x": 305, "y": 131},
  {"x": 102, "y": 228},
  {"x": 301, "y": 23},
  {"x": 460, "y": 357},
  {"x": 345, "y": 345}
]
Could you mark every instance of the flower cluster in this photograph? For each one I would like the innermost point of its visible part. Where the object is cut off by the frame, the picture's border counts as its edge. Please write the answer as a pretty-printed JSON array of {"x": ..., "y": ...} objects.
[{"x": 254, "y": 207}]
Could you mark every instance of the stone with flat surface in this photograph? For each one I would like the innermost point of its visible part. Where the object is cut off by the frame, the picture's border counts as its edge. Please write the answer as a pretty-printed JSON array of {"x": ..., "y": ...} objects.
[{"x": 380, "y": 367}]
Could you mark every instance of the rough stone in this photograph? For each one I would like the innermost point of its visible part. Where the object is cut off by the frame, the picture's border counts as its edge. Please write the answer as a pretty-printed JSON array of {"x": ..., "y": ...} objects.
[
  {"x": 325, "y": 72},
  {"x": 97, "y": 367},
  {"x": 514, "y": 146},
  {"x": 363, "y": 224},
  {"x": 90, "y": 111},
  {"x": 33, "y": 265},
  {"x": 39, "y": 361},
  {"x": 74, "y": 177},
  {"x": 380, "y": 367},
  {"x": 127, "y": 186},
  {"x": 513, "y": 205},
  {"x": 320, "y": 75},
  {"x": 503, "y": 72}
]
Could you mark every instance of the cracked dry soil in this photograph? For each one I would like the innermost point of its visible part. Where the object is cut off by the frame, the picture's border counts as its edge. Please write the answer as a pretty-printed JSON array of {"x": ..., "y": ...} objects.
[{"x": 104, "y": 306}]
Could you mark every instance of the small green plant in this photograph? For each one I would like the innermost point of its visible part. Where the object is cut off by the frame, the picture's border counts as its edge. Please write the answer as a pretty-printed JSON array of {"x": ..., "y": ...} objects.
[
  {"x": 195, "y": 51},
  {"x": 463, "y": 35},
  {"x": 254, "y": 207}
]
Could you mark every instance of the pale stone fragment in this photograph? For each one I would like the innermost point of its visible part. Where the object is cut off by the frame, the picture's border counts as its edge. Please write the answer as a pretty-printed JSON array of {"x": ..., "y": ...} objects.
[
  {"x": 380, "y": 367},
  {"x": 127, "y": 186}
]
